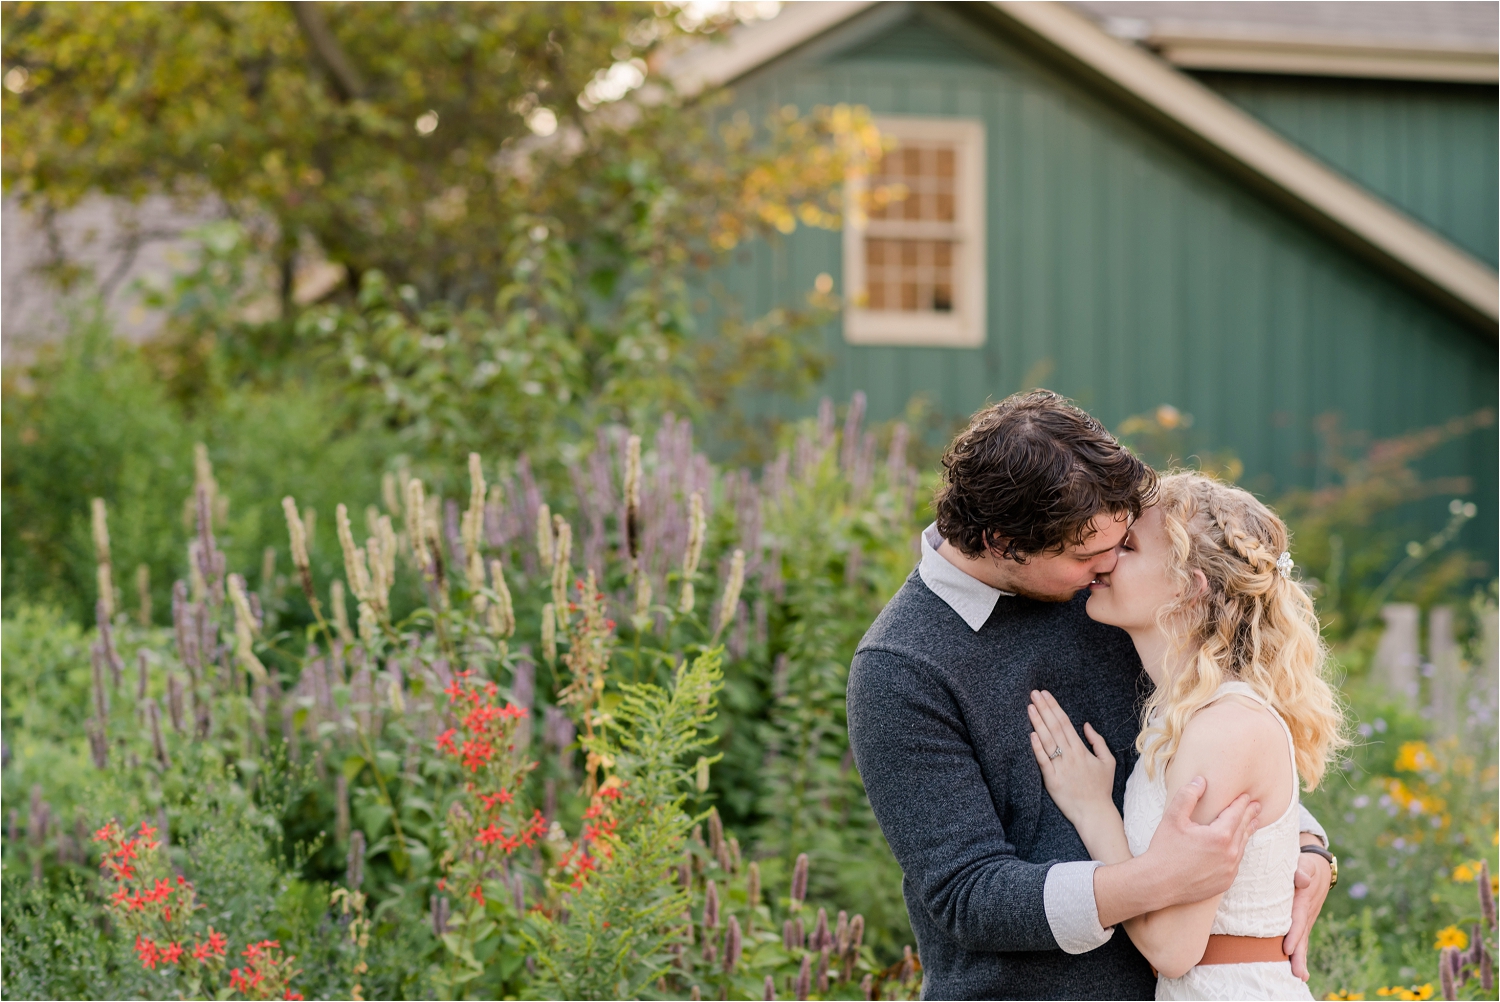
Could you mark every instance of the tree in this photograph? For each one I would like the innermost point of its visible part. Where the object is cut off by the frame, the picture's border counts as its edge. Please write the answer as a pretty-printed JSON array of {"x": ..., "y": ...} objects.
[{"x": 428, "y": 144}]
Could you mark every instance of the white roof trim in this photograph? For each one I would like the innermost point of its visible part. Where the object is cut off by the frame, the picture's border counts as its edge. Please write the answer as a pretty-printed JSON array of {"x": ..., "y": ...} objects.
[
  {"x": 714, "y": 63},
  {"x": 1258, "y": 51},
  {"x": 1427, "y": 257}
]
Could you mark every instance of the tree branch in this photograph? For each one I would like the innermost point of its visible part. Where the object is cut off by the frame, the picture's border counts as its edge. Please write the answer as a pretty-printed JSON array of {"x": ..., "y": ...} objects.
[{"x": 330, "y": 56}]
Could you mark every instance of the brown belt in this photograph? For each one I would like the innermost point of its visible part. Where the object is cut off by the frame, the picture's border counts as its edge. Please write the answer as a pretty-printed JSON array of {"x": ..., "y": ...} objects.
[{"x": 1243, "y": 950}]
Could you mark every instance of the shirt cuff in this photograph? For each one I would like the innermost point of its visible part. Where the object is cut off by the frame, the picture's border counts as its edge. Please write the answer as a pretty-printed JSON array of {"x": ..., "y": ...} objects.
[
  {"x": 1072, "y": 913},
  {"x": 1311, "y": 826}
]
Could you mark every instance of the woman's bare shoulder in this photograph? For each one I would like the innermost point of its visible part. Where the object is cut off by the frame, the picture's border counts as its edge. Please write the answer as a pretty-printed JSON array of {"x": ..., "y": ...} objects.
[{"x": 1239, "y": 747}]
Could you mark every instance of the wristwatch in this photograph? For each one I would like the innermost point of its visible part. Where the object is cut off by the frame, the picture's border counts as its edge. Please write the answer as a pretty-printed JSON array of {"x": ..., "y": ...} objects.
[{"x": 1333, "y": 862}]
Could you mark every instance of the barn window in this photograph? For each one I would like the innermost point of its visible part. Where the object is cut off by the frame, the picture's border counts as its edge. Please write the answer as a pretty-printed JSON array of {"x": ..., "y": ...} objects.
[{"x": 914, "y": 238}]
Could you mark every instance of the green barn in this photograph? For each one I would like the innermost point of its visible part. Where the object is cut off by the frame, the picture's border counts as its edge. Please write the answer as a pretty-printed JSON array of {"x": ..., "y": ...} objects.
[{"x": 1261, "y": 213}]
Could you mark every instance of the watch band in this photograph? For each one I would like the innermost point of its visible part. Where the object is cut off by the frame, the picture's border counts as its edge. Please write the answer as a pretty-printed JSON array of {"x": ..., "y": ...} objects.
[{"x": 1333, "y": 861}]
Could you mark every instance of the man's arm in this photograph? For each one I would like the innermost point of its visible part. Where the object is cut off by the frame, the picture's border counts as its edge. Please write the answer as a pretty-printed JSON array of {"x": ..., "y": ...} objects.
[
  {"x": 1185, "y": 862},
  {"x": 923, "y": 780}
]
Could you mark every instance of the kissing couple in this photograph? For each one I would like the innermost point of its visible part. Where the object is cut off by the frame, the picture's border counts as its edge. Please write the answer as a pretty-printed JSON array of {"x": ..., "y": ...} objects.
[{"x": 1083, "y": 724}]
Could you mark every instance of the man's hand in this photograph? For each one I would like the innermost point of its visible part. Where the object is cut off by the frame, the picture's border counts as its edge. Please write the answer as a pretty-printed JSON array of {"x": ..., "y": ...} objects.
[
  {"x": 1186, "y": 861},
  {"x": 1203, "y": 859},
  {"x": 1313, "y": 875}
]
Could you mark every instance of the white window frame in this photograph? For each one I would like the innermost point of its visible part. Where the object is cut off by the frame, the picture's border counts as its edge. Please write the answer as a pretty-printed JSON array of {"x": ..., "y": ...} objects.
[{"x": 965, "y": 327}]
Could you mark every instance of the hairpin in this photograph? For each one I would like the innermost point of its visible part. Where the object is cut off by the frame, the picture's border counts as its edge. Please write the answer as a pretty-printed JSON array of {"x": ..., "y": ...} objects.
[{"x": 1284, "y": 564}]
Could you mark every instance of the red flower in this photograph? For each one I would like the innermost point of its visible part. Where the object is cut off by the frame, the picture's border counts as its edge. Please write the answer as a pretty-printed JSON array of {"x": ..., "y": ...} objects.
[
  {"x": 477, "y": 894},
  {"x": 512, "y": 710},
  {"x": 147, "y": 951},
  {"x": 237, "y": 981},
  {"x": 476, "y": 753},
  {"x": 445, "y": 741},
  {"x": 490, "y": 800},
  {"x": 200, "y": 951},
  {"x": 217, "y": 941},
  {"x": 491, "y": 835},
  {"x": 172, "y": 953},
  {"x": 294, "y": 996},
  {"x": 106, "y": 833}
]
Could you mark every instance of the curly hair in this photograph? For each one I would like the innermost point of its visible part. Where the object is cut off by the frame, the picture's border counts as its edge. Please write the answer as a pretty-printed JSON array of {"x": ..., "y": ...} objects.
[
  {"x": 1254, "y": 624},
  {"x": 1030, "y": 474}
]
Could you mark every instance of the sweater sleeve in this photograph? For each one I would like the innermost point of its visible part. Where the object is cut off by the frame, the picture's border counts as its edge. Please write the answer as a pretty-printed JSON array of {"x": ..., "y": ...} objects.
[{"x": 924, "y": 783}]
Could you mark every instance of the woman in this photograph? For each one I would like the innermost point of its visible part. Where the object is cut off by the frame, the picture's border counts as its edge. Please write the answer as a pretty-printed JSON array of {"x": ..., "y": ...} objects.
[{"x": 1203, "y": 586}]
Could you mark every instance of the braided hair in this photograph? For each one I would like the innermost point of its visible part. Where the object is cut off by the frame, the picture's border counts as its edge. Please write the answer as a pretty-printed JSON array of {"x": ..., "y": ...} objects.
[{"x": 1254, "y": 623}]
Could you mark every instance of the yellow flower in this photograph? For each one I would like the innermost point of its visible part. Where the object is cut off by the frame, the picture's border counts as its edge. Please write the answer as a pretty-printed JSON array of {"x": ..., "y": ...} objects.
[
  {"x": 1452, "y": 936},
  {"x": 1463, "y": 873},
  {"x": 1415, "y": 756},
  {"x": 1342, "y": 995},
  {"x": 1416, "y": 993}
]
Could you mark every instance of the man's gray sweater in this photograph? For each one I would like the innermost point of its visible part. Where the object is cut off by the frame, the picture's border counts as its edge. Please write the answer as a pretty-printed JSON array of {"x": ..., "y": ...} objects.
[{"x": 937, "y": 720}]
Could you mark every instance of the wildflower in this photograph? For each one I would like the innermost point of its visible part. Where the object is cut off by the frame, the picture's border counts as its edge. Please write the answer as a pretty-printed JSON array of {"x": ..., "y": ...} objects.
[
  {"x": 108, "y": 832},
  {"x": 731, "y": 598},
  {"x": 697, "y": 526},
  {"x": 172, "y": 954},
  {"x": 445, "y": 740},
  {"x": 1415, "y": 756},
  {"x": 1343, "y": 995},
  {"x": 493, "y": 800},
  {"x": 1452, "y": 936},
  {"x": 296, "y": 535},
  {"x": 490, "y": 835},
  {"x": 478, "y": 894},
  {"x": 217, "y": 941},
  {"x": 476, "y": 753},
  {"x": 549, "y": 633},
  {"x": 711, "y": 906},
  {"x": 1463, "y": 873},
  {"x": 293, "y": 995},
  {"x": 733, "y": 943},
  {"x": 799, "y": 882},
  {"x": 561, "y": 556},
  {"x": 502, "y": 615},
  {"x": 544, "y": 535},
  {"x": 148, "y": 952}
]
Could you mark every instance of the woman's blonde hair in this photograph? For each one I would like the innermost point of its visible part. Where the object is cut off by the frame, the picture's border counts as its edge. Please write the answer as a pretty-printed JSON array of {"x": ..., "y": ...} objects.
[{"x": 1255, "y": 624}]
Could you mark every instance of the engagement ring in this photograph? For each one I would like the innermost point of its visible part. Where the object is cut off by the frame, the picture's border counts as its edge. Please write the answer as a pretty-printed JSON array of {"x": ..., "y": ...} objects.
[{"x": 1056, "y": 752}]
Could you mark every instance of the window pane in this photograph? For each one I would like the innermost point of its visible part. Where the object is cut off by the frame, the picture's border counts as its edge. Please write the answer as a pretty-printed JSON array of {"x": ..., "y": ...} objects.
[
  {"x": 916, "y": 181},
  {"x": 909, "y": 275}
]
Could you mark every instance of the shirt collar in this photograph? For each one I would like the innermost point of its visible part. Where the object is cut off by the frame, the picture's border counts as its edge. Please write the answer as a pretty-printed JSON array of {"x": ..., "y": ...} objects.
[{"x": 965, "y": 594}]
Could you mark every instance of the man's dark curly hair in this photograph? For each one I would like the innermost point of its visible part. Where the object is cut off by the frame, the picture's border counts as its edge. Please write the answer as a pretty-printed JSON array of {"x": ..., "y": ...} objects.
[{"x": 1029, "y": 475}]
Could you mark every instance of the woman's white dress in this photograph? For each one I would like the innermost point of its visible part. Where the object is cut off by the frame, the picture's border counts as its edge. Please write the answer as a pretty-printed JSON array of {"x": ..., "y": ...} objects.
[{"x": 1258, "y": 903}]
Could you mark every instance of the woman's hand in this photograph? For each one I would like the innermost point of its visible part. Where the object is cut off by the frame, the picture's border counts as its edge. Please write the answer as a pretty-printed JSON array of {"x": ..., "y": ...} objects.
[{"x": 1081, "y": 782}]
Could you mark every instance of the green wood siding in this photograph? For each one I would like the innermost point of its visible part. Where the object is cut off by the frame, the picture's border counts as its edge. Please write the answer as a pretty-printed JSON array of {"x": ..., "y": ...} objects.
[
  {"x": 1138, "y": 273},
  {"x": 1429, "y": 148}
]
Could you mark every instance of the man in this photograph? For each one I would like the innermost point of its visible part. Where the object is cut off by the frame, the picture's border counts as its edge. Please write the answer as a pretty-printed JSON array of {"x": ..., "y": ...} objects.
[{"x": 1001, "y": 894}]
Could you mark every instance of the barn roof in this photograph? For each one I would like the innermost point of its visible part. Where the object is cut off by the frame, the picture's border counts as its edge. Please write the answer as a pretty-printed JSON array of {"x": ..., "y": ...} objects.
[
  {"x": 1392, "y": 40},
  {"x": 1154, "y": 88}
]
